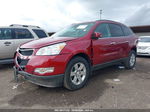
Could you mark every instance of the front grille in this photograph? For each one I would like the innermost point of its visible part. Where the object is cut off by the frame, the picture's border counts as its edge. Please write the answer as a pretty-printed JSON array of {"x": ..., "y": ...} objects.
[
  {"x": 142, "y": 47},
  {"x": 143, "y": 53},
  {"x": 25, "y": 52},
  {"x": 22, "y": 62}
]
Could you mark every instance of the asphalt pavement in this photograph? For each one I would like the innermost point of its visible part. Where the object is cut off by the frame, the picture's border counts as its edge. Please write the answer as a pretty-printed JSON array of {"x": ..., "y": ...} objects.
[{"x": 109, "y": 88}]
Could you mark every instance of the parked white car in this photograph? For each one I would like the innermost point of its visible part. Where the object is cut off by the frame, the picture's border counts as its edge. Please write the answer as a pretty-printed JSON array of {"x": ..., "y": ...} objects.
[
  {"x": 143, "y": 47},
  {"x": 14, "y": 35}
]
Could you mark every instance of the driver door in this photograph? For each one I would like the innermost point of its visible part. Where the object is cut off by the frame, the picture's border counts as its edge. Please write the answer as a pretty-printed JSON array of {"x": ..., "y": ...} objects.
[{"x": 103, "y": 48}]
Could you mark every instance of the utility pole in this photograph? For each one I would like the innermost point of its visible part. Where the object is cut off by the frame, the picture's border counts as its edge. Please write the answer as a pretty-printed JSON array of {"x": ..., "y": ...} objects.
[{"x": 101, "y": 11}]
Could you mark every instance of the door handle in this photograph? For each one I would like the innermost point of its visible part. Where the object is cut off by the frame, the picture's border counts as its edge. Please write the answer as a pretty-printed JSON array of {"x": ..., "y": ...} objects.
[
  {"x": 127, "y": 41},
  {"x": 113, "y": 43},
  {"x": 7, "y": 43}
]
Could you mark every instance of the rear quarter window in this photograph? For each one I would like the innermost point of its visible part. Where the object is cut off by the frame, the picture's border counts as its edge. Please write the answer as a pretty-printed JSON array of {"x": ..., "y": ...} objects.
[
  {"x": 127, "y": 31},
  {"x": 39, "y": 33},
  {"x": 22, "y": 34}
]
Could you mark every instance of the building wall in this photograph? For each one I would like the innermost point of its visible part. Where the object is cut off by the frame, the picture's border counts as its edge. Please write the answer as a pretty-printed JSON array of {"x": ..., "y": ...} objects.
[{"x": 143, "y": 34}]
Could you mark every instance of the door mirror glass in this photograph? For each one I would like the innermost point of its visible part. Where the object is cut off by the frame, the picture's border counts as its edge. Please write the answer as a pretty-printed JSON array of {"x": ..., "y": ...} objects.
[{"x": 96, "y": 35}]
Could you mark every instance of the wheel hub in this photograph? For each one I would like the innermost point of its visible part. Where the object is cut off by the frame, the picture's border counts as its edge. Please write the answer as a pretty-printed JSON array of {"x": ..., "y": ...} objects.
[
  {"x": 78, "y": 73},
  {"x": 132, "y": 60}
]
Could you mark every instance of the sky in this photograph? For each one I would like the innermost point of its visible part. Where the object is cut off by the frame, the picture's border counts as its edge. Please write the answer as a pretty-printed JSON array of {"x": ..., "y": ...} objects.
[{"x": 52, "y": 15}]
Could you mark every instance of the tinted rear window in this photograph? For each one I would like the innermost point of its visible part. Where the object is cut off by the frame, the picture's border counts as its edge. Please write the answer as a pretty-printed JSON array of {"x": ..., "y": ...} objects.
[
  {"x": 22, "y": 34},
  {"x": 116, "y": 30},
  {"x": 40, "y": 33},
  {"x": 127, "y": 31}
]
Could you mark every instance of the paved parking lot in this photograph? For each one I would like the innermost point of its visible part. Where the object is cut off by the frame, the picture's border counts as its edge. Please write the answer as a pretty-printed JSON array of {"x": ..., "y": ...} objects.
[{"x": 112, "y": 87}]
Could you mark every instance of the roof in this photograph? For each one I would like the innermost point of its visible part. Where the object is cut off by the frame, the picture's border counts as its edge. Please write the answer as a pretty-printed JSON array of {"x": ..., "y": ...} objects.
[
  {"x": 29, "y": 26},
  {"x": 21, "y": 26},
  {"x": 140, "y": 29},
  {"x": 106, "y": 20}
]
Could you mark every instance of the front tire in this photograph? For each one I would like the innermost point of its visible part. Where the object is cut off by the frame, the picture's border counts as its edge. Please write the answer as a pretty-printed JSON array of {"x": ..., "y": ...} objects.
[
  {"x": 131, "y": 60},
  {"x": 76, "y": 74}
]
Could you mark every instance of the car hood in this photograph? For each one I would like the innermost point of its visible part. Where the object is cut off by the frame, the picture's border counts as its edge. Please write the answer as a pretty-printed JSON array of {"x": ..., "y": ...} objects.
[
  {"x": 144, "y": 44},
  {"x": 45, "y": 42}
]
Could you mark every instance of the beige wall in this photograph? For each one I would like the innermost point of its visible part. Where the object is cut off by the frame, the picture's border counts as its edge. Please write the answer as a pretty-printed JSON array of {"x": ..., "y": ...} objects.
[{"x": 143, "y": 34}]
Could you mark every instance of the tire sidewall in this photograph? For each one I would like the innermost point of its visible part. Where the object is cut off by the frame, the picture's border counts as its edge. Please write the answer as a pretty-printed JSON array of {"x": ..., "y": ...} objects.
[{"x": 127, "y": 63}]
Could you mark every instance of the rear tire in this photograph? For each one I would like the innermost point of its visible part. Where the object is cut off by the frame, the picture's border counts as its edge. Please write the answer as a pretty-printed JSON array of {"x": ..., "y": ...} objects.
[
  {"x": 77, "y": 73},
  {"x": 131, "y": 60}
]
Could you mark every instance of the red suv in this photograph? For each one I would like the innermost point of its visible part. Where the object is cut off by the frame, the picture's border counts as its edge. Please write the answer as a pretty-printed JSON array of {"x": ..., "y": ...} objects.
[{"x": 68, "y": 57}]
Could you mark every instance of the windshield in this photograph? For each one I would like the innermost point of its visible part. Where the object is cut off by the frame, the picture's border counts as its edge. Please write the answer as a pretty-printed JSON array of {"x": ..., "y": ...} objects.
[
  {"x": 146, "y": 39},
  {"x": 75, "y": 30}
]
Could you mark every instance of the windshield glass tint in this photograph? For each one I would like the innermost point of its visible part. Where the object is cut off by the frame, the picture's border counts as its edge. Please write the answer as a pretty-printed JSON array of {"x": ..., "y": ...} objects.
[
  {"x": 146, "y": 39},
  {"x": 75, "y": 30}
]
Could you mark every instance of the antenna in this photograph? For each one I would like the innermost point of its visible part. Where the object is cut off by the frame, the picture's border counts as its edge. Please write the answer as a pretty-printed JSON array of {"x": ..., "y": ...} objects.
[{"x": 101, "y": 11}]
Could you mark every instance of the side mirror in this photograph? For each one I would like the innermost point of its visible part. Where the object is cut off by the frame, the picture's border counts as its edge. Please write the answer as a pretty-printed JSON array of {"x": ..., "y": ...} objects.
[{"x": 96, "y": 35}]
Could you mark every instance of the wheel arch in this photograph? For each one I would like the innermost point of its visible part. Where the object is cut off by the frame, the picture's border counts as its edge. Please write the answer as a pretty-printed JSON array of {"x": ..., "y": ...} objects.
[
  {"x": 81, "y": 54},
  {"x": 134, "y": 49}
]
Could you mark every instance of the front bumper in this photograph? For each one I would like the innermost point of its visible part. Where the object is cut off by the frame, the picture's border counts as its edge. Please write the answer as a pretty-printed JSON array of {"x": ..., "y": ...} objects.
[
  {"x": 46, "y": 81},
  {"x": 143, "y": 53},
  {"x": 30, "y": 63}
]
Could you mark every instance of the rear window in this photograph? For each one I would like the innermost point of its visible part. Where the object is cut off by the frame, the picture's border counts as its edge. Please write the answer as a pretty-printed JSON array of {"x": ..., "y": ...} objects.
[
  {"x": 116, "y": 30},
  {"x": 22, "y": 34},
  {"x": 40, "y": 33},
  {"x": 5, "y": 33},
  {"x": 127, "y": 31}
]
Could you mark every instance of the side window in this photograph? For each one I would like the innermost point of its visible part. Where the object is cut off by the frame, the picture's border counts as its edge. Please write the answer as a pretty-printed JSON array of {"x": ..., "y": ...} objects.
[
  {"x": 5, "y": 33},
  {"x": 103, "y": 28},
  {"x": 116, "y": 30},
  {"x": 127, "y": 31},
  {"x": 22, "y": 34},
  {"x": 40, "y": 33}
]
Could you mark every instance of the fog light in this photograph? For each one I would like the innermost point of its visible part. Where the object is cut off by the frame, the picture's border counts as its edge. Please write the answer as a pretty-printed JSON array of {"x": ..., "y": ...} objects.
[{"x": 44, "y": 70}]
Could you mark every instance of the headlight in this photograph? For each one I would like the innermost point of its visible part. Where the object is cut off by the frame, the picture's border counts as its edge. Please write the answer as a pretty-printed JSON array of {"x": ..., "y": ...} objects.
[
  {"x": 148, "y": 48},
  {"x": 17, "y": 49},
  {"x": 51, "y": 50}
]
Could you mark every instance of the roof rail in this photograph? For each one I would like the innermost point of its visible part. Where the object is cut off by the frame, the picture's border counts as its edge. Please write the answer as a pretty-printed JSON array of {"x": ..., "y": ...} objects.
[
  {"x": 19, "y": 25},
  {"x": 106, "y": 20}
]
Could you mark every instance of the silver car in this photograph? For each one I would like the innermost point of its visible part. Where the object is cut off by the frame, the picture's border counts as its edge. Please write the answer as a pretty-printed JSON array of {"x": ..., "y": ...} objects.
[
  {"x": 14, "y": 35},
  {"x": 143, "y": 47}
]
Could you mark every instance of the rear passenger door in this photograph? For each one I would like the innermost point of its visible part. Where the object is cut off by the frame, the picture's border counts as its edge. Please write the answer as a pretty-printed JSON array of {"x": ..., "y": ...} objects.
[
  {"x": 127, "y": 39},
  {"x": 117, "y": 41},
  {"x": 6, "y": 43}
]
